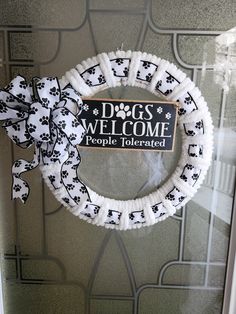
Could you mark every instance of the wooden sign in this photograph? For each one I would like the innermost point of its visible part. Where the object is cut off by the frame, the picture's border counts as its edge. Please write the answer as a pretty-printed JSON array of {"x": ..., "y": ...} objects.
[{"x": 129, "y": 124}]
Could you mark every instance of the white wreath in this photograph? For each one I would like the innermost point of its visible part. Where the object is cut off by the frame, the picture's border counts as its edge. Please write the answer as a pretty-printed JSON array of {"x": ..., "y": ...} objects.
[
  {"x": 27, "y": 123},
  {"x": 194, "y": 120}
]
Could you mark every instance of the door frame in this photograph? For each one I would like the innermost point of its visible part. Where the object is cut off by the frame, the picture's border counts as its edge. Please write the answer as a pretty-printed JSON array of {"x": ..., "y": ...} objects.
[{"x": 229, "y": 302}]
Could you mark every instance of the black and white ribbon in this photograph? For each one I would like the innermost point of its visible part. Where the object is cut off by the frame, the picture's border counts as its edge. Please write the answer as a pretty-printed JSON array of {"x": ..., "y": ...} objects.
[{"x": 41, "y": 113}]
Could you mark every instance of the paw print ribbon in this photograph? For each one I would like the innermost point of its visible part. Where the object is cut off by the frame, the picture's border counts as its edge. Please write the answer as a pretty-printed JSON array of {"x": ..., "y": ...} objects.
[{"x": 41, "y": 113}]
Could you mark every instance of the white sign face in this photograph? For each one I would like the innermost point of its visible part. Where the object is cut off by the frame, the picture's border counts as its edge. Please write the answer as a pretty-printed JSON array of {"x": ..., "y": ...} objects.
[{"x": 126, "y": 124}]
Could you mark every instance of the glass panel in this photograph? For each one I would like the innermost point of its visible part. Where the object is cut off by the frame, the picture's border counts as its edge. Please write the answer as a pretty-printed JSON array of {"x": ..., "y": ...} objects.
[{"x": 55, "y": 263}]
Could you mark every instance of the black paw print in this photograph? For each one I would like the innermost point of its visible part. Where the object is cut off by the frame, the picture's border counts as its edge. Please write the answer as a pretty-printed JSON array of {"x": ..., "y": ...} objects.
[
  {"x": 193, "y": 155},
  {"x": 75, "y": 123},
  {"x": 22, "y": 84},
  {"x": 167, "y": 92},
  {"x": 126, "y": 71},
  {"x": 199, "y": 125},
  {"x": 181, "y": 198},
  {"x": 75, "y": 180},
  {"x": 72, "y": 137},
  {"x": 31, "y": 128},
  {"x": 188, "y": 100},
  {"x": 56, "y": 153},
  {"x": 52, "y": 178},
  {"x": 138, "y": 74},
  {"x": 155, "y": 209},
  {"x": 54, "y": 91},
  {"x": 146, "y": 64},
  {"x": 71, "y": 154},
  {"x": 15, "y": 138},
  {"x": 70, "y": 186},
  {"x": 195, "y": 176},
  {"x": 82, "y": 189},
  {"x": 96, "y": 210},
  {"x": 65, "y": 112},
  {"x": 159, "y": 83},
  {"x": 77, "y": 199},
  {"x": 181, "y": 111},
  {"x": 10, "y": 98},
  {"x": 91, "y": 71},
  {"x": 3, "y": 108},
  {"x": 50, "y": 79},
  {"x": 149, "y": 77},
  {"x": 29, "y": 167},
  {"x": 170, "y": 197},
  {"x": 142, "y": 214},
  {"x": 131, "y": 216},
  {"x": 200, "y": 151},
  {"x": 119, "y": 61},
  {"x": 101, "y": 79},
  {"x": 17, "y": 187},
  {"x": 44, "y": 120},
  {"x": 33, "y": 110},
  {"x": 88, "y": 82},
  {"x": 24, "y": 197},
  {"x": 16, "y": 127},
  {"x": 64, "y": 174},
  {"x": 21, "y": 96},
  {"x": 190, "y": 133},
  {"x": 87, "y": 215},
  {"x": 189, "y": 167},
  {"x": 27, "y": 135},
  {"x": 45, "y": 137},
  {"x": 20, "y": 114},
  {"x": 114, "y": 71},
  {"x": 9, "y": 86},
  {"x": 109, "y": 213},
  {"x": 59, "y": 141},
  {"x": 40, "y": 85},
  {"x": 169, "y": 79},
  {"x": 17, "y": 163},
  {"x": 45, "y": 102},
  {"x": 62, "y": 124},
  {"x": 112, "y": 222},
  {"x": 66, "y": 200}
]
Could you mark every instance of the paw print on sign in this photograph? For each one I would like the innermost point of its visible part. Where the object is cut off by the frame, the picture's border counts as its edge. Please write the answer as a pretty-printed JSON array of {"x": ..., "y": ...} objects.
[
  {"x": 159, "y": 110},
  {"x": 168, "y": 115},
  {"x": 122, "y": 111},
  {"x": 95, "y": 111}
]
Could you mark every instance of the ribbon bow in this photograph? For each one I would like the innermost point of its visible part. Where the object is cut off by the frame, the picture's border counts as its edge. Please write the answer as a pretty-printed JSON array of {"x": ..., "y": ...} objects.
[{"x": 41, "y": 113}]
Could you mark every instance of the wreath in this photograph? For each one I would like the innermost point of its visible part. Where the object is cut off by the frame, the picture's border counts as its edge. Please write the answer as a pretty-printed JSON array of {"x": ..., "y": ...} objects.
[{"x": 46, "y": 113}]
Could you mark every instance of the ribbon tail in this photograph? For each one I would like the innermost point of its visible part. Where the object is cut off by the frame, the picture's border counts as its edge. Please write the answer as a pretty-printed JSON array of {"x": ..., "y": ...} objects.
[
  {"x": 69, "y": 176},
  {"x": 20, "y": 188}
]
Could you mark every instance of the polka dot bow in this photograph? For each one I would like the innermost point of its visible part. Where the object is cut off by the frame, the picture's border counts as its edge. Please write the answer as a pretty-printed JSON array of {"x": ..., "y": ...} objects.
[{"x": 41, "y": 113}]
